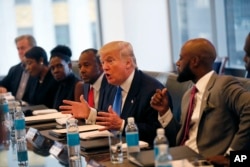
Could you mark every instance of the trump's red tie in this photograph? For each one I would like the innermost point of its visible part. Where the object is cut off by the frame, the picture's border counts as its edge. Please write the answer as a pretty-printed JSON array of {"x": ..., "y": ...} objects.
[
  {"x": 189, "y": 115},
  {"x": 91, "y": 97}
]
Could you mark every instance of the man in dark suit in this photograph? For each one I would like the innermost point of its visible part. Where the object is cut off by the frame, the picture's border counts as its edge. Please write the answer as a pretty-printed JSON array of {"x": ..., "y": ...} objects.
[
  {"x": 120, "y": 68},
  {"x": 246, "y": 58},
  {"x": 221, "y": 112},
  {"x": 91, "y": 73},
  {"x": 17, "y": 79}
]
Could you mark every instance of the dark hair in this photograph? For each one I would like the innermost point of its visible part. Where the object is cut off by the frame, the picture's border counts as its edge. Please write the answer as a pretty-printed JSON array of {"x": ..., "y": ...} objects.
[
  {"x": 92, "y": 51},
  {"x": 61, "y": 51},
  {"x": 37, "y": 53}
]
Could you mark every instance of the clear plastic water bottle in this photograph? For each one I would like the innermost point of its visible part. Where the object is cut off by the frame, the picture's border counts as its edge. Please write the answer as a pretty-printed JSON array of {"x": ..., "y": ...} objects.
[
  {"x": 5, "y": 110},
  {"x": 164, "y": 158},
  {"x": 132, "y": 136},
  {"x": 20, "y": 136},
  {"x": 73, "y": 142},
  {"x": 19, "y": 122},
  {"x": 22, "y": 154},
  {"x": 160, "y": 139},
  {"x": 5, "y": 119}
]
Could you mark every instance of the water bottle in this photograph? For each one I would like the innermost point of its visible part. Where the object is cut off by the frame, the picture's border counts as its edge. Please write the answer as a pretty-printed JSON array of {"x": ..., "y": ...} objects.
[
  {"x": 19, "y": 122},
  {"x": 5, "y": 119},
  {"x": 132, "y": 137},
  {"x": 5, "y": 110},
  {"x": 20, "y": 136},
  {"x": 160, "y": 139},
  {"x": 164, "y": 158},
  {"x": 22, "y": 154},
  {"x": 73, "y": 143}
]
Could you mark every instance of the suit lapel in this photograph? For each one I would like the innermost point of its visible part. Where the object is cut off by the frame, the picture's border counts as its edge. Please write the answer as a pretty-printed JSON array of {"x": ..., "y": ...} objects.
[
  {"x": 205, "y": 104},
  {"x": 128, "y": 107}
]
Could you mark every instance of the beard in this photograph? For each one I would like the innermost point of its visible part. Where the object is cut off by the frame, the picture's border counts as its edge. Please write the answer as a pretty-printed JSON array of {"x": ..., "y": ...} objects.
[{"x": 186, "y": 74}]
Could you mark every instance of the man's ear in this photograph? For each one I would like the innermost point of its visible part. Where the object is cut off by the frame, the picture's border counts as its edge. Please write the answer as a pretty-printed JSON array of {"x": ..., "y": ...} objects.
[{"x": 196, "y": 61}]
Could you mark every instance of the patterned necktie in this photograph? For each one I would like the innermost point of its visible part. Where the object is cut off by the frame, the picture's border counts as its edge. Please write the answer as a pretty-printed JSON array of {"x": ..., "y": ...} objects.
[
  {"x": 91, "y": 97},
  {"x": 189, "y": 115},
  {"x": 118, "y": 101}
]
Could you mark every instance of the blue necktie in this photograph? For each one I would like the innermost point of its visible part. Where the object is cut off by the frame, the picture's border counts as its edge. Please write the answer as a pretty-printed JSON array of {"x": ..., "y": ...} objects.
[{"x": 117, "y": 105}]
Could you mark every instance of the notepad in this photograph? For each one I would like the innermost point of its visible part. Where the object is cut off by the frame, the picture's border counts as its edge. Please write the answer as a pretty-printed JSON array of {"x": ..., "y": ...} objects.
[
  {"x": 44, "y": 111},
  {"x": 95, "y": 134},
  {"x": 44, "y": 118},
  {"x": 59, "y": 133},
  {"x": 82, "y": 128}
]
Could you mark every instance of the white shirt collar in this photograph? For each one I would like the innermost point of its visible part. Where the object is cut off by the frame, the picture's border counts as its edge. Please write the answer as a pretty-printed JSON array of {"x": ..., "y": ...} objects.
[
  {"x": 98, "y": 82},
  {"x": 126, "y": 85}
]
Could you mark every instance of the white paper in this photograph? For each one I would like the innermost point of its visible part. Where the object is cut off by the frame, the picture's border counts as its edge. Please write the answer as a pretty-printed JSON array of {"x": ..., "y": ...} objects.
[
  {"x": 46, "y": 117},
  {"x": 44, "y": 111},
  {"x": 182, "y": 163},
  {"x": 82, "y": 128},
  {"x": 95, "y": 134}
]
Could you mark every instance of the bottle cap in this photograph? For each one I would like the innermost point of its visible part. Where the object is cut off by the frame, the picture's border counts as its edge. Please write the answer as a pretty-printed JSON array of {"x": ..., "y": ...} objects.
[
  {"x": 160, "y": 131},
  {"x": 131, "y": 120}
]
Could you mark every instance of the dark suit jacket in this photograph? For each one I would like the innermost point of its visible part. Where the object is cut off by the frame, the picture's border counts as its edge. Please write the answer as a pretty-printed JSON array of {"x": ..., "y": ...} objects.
[
  {"x": 105, "y": 87},
  {"x": 43, "y": 93},
  {"x": 137, "y": 105},
  {"x": 224, "y": 118},
  {"x": 65, "y": 90},
  {"x": 12, "y": 79}
]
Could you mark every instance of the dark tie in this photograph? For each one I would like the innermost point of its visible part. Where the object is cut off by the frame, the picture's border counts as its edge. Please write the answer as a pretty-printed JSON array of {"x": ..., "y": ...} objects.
[
  {"x": 118, "y": 101},
  {"x": 91, "y": 97},
  {"x": 189, "y": 115}
]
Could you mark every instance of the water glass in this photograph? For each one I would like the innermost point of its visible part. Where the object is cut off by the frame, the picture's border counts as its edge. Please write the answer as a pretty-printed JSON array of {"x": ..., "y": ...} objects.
[{"x": 115, "y": 147}]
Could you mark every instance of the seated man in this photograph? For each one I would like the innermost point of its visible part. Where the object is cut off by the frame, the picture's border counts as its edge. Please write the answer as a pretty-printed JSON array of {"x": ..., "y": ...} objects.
[
  {"x": 94, "y": 83},
  {"x": 220, "y": 105},
  {"x": 17, "y": 78},
  {"x": 120, "y": 69},
  {"x": 247, "y": 56}
]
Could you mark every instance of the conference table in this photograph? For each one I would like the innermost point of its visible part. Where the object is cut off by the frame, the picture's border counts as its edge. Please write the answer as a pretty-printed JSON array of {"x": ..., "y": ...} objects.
[{"x": 41, "y": 157}]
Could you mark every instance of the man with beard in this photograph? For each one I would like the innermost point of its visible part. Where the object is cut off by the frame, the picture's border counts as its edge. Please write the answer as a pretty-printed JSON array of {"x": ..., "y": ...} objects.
[
  {"x": 247, "y": 56},
  {"x": 221, "y": 109}
]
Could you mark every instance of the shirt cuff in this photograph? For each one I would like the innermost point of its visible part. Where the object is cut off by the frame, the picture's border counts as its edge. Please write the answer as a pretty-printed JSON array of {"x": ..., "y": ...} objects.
[
  {"x": 166, "y": 118},
  {"x": 122, "y": 127},
  {"x": 228, "y": 151},
  {"x": 92, "y": 116}
]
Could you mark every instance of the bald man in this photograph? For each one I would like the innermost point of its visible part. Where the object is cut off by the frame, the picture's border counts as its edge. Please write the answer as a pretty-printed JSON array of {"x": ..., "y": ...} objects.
[{"x": 221, "y": 112}]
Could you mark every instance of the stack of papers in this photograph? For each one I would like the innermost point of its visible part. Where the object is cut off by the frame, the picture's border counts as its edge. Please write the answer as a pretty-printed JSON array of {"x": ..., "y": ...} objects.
[
  {"x": 45, "y": 117},
  {"x": 44, "y": 111},
  {"x": 82, "y": 128},
  {"x": 95, "y": 134}
]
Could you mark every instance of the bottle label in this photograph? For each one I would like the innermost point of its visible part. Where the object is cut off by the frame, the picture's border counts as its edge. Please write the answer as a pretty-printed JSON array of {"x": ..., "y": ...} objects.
[
  {"x": 132, "y": 139},
  {"x": 156, "y": 151},
  {"x": 22, "y": 156},
  {"x": 73, "y": 139},
  {"x": 4, "y": 107},
  {"x": 19, "y": 124}
]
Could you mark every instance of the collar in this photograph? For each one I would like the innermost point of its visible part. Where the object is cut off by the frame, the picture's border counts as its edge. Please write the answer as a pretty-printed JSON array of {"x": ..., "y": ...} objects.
[
  {"x": 126, "y": 85},
  {"x": 98, "y": 83},
  {"x": 203, "y": 81}
]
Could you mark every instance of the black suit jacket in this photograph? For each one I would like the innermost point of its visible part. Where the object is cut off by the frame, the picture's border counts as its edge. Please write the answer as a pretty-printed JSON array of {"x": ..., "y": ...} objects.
[
  {"x": 105, "y": 88},
  {"x": 137, "y": 105},
  {"x": 43, "y": 93},
  {"x": 12, "y": 79},
  {"x": 66, "y": 90}
]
